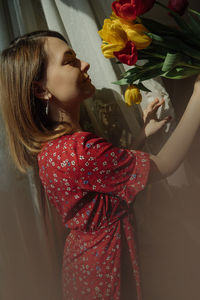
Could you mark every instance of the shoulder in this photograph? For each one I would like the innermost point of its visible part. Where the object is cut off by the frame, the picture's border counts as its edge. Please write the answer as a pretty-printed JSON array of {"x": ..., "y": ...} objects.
[{"x": 69, "y": 142}]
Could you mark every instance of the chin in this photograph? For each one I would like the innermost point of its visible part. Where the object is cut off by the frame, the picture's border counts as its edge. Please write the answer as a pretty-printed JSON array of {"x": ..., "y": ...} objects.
[
  {"x": 93, "y": 89},
  {"x": 89, "y": 92}
]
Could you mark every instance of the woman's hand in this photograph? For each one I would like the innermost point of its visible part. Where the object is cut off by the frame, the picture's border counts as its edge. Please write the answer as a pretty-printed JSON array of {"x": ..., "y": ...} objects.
[{"x": 151, "y": 122}]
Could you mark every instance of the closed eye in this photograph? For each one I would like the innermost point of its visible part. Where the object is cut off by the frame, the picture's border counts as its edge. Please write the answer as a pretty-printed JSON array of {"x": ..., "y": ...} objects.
[
  {"x": 73, "y": 62},
  {"x": 70, "y": 60}
]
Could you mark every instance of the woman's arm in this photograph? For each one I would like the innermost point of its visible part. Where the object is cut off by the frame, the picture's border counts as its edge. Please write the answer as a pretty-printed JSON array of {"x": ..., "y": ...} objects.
[{"x": 177, "y": 146}]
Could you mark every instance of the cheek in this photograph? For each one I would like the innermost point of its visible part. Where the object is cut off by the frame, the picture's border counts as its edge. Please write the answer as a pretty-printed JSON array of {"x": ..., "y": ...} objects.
[{"x": 64, "y": 85}]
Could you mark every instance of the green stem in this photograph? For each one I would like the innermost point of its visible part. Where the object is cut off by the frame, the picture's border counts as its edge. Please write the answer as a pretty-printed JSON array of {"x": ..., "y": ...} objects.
[
  {"x": 194, "y": 12},
  {"x": 162, "y": 5},
  {"x": 154, "y": 54},
  {"x": 138, "y": 19},
  {"x": 190, "y": 66}
]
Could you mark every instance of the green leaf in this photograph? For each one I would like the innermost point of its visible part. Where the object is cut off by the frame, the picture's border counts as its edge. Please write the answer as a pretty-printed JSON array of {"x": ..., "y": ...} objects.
[
  {"x": 123, "y": 81},
  {"x": 143, "y": 88},
  {"x": 157, "y": 27},
  {"x": 155, "y": 37},
  {"x": 152, "y": 64},
  {"x": 171, "y": 60},
  {"x": 194, "y": 25},
  {"x": 164, "y": 42},
  {"x": 161, "y": 29},
  {"x": 147, "y": 71},
  {"x": 133, "y": 77},
  {"x": 130, "y": 72},
  {"x": 180, "y": 22},
  {"x": 190, "y": 51},
  {"x": 149, "y": 75},
  {"x": 180, "y": 73},
  {"x": 174, "y": 44},
  {"x": 151, "y": 54}
]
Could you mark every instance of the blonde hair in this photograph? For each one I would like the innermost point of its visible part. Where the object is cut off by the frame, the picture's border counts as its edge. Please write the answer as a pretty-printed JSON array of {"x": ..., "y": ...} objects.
[{"x": 26, "y": 123}]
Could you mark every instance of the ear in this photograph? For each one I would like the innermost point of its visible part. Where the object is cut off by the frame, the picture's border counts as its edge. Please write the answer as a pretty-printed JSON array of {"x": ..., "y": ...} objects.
[{"x": 40, "y": 92}]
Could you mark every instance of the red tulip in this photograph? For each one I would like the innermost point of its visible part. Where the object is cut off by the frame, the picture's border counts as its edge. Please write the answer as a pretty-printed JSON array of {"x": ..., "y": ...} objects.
[
  {"x": 130, "y": 9},
  {"x": 127, "y": 55},
  {"x": 178, "y": 6}
]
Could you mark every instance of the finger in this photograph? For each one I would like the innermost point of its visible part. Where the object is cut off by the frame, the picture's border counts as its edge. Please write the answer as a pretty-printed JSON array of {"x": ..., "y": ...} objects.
[
  {"x": 168, "y": 118},
  {"x": 160, "y": 102},
  {"x": 161, "y": 124},
  {"x": 157, "y": 105},
  {"x": 149, "y": 109},
  {"x": 153, "y": 103},
  {"x": 165, "y": 120},
  {"x": 152, "y": 109}
]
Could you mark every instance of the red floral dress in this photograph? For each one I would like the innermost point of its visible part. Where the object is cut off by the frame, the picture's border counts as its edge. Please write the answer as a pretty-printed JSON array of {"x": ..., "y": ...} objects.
[{"x": 93, "y": 184}]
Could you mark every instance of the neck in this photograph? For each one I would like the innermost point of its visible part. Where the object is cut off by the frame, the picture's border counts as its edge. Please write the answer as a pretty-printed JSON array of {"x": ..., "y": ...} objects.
[{"x": 71, "y": 115}]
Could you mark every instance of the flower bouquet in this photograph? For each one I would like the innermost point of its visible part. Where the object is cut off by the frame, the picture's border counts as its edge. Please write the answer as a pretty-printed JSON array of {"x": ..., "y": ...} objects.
[{"x": 152, "y": 48}]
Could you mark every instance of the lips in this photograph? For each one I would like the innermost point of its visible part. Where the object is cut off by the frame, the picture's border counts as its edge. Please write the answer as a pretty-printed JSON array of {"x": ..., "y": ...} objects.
[{"x": 86, "y": 78}]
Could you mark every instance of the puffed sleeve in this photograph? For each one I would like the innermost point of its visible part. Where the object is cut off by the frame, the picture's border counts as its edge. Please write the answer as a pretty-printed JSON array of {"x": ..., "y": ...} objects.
[{"x": 108, "y": 169}]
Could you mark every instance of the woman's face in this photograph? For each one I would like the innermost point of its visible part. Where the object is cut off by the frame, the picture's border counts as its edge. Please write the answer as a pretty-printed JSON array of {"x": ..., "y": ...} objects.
[{"x": 67, "y": 79}]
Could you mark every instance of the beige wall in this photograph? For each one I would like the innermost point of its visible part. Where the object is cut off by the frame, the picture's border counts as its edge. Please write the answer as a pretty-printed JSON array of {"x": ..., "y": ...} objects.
[{"x": 169, "y": 227}]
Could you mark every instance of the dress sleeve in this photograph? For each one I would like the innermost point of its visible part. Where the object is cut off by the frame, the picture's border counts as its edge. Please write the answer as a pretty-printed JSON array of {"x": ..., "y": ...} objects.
[{"x": 108, "y": 169}]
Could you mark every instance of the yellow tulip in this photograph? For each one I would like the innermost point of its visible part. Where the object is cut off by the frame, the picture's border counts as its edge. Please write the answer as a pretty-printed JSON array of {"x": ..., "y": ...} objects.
[
  {"x": 135, "y": 33},
  {"x": 116, "y": 32},
  {"x": 132, "y": 95},
  {"x": 108, "y": 49},
  {"x": 113, "y": 36}
]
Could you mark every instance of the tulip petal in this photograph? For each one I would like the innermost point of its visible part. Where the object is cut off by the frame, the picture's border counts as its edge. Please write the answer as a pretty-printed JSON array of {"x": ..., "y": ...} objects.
[
  {"x": 130, "y": 9},
  {"x": 114, "y": 37},
  {"x": 132, "y": 95},
  {"x": 127, "y": 55},
  {"x": 108, "y": 49},
  {"x": 124, "y": 9},
  {"x": 136, "y": 33},
  {"x": 178, "y": 6},
  {"x": 127, "y": 12},
  {"x": 112, "y": 32}
]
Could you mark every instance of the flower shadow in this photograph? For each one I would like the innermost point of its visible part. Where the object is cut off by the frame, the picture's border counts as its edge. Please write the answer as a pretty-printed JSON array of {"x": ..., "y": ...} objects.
[{"x": 103, "y": 115}]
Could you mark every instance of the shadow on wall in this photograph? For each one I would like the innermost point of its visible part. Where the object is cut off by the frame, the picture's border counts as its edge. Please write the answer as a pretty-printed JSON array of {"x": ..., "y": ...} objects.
[
  {"x": 119, "y": 123},
  {"x": 104, "y": 113},
  {"x": 168, "y": 231}
]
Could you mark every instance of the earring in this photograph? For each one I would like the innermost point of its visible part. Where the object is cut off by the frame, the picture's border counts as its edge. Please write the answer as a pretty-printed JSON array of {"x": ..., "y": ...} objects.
[
  {"x": 47, "y": 107},
  {"x": 61, "y": 116}
]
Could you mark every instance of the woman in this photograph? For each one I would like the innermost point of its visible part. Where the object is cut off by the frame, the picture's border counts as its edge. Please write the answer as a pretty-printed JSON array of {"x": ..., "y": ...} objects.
[{"x": 91, "y": 183}]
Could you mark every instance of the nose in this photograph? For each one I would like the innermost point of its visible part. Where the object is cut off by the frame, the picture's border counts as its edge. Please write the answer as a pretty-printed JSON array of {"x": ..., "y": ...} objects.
[{"x": 84, "y": 66}]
